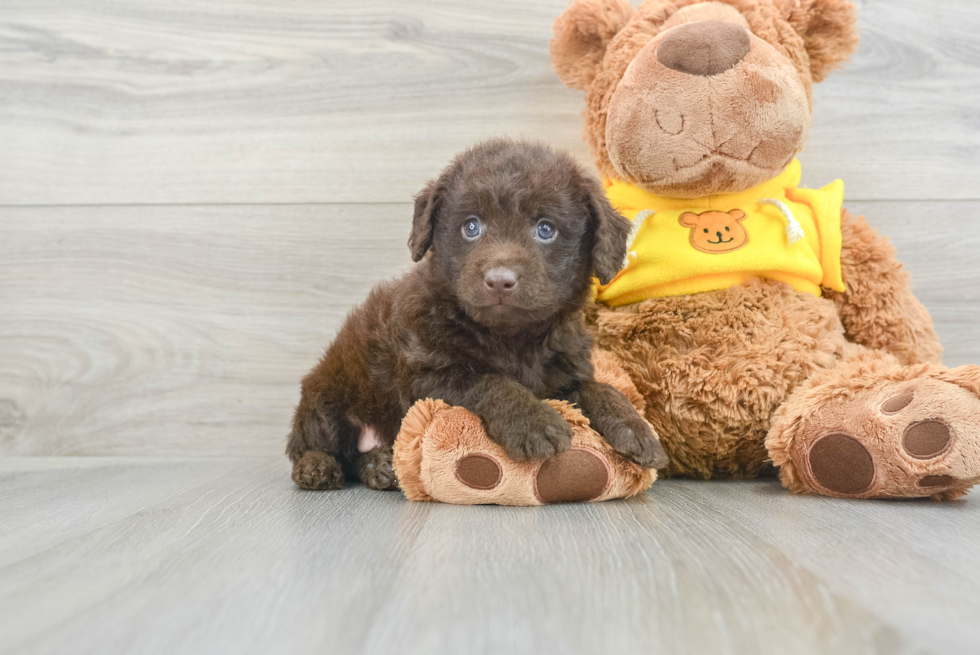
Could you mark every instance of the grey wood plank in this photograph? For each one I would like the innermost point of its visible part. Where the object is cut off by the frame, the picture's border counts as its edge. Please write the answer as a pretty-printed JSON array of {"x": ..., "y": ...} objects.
[
  {"x": 880, "y": 537},
  {"x": 349, "y": 101},
  {"x": 902, "y": 116},
  {"x": 938, "y": 244},
  {"x": 37, "y": 516},
  {"x": 156, "y": 331},
  {"x": 226, "y": 556},
  {"x": 120, "y": 323}
]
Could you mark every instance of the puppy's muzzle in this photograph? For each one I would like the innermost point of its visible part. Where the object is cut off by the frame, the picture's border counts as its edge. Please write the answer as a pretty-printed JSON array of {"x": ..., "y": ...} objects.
[{"x": 500, "y": 281}]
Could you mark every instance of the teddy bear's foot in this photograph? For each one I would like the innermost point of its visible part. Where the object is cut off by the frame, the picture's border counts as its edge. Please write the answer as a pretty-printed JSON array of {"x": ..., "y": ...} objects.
[
  {"x": 873, "y": 431},
  {"x": 317, "y": 471},
  {"x": 576, "y": 475},
  {"x": 442, "y": 453}
]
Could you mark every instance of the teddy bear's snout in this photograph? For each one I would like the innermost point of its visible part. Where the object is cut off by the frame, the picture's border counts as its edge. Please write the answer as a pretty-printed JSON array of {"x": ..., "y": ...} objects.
[{"x": 704, "y": 48}]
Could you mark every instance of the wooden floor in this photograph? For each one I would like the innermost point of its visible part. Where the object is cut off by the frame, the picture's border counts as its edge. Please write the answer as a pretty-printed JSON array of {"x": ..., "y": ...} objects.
[
  {"x": 224, "y": 555},
  {"x": 193, "y": 195}
]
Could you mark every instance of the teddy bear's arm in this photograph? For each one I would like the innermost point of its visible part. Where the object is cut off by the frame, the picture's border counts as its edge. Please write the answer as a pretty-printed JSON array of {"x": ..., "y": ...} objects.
[{"x": 878, "y": 310}]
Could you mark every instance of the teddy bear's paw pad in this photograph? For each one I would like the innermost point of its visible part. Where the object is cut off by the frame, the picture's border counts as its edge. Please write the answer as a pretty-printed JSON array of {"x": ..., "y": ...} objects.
[
  {"x": 911, "y": 438},
  {"x": 577, "y": 475},
  {"x": 926, "y": 439},
  {"x": 317, "y": 471},
  {"x": 936, "y": 481},
  {"x": 840, "y": 463},
  {"x": 478, "y": 471},
  {"x": 895, "y": 404}
]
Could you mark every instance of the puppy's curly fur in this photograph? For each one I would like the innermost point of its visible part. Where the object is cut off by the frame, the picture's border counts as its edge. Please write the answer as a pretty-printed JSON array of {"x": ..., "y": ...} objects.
[{"x": 507, "y": 240}]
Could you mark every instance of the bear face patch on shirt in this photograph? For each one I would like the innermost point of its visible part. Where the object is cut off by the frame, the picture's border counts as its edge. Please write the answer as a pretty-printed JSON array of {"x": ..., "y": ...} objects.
[{"x": 716, "y": 232}]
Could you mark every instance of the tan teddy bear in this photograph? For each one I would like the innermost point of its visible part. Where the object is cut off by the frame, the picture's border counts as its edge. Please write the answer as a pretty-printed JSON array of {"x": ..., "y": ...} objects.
[{"x": 762, "y": 323}]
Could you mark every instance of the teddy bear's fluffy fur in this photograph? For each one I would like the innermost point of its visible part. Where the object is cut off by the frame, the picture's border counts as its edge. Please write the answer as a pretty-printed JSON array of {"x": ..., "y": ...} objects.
[
  {"x": 714, "y": 367},
  {"x": 741, "y": 379}
]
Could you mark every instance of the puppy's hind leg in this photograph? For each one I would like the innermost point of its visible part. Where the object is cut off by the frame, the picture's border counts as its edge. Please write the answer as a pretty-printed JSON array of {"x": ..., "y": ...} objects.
[
  {"x": 321, "y": 434},
  {"x": 374, "y": 460}
]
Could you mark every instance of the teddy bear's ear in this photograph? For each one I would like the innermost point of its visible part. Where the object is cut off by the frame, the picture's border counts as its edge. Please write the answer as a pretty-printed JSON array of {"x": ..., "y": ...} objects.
[
  {"x": 828, "y": 30},
  {"x": 737, "y": 214},
  {"x": 582, "y": 33}
]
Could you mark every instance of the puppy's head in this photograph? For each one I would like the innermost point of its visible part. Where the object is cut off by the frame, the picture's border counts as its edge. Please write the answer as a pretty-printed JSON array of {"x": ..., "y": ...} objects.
[{"x": 515, "y": 231}]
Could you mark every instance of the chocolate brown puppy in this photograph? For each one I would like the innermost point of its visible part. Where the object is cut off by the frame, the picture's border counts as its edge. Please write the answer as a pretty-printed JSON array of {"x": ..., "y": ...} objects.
[{"x": 490, "y": 319}]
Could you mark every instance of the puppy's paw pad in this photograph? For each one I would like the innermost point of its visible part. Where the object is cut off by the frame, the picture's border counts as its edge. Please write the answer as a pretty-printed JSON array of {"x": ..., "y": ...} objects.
[{"x": 317, "y": 471}]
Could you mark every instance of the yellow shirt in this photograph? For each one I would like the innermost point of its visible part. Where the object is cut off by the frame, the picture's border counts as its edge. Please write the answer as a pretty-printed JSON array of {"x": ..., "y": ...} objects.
[{"x": 681, "y": 246}]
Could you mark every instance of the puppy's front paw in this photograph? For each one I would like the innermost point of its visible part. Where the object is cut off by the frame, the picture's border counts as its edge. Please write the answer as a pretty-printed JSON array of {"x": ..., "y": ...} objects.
[
  {"x": 632, "y": 437},
  {"x": 539, "y": 432}
]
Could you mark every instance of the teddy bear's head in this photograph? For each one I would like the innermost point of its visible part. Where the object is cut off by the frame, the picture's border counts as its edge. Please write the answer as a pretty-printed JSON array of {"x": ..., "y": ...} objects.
[{"x": 687, "y": 98}]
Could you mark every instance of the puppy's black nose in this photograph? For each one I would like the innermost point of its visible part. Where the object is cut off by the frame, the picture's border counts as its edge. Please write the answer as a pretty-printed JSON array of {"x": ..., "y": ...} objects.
[{"x": 500, "y": 279}]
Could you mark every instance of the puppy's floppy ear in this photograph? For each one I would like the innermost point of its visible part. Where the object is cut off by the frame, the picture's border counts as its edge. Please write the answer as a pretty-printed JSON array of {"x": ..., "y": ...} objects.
[
  {"x": 828, "y": 30},
  {"x": 582, "y": 33},
  {"x": 427, "y": 203},
  {"x": 610, "y": 232}
]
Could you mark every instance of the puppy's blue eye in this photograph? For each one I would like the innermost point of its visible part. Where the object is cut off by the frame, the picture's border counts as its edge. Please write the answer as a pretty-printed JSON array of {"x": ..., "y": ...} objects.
[
  {"x": 546, "y": 230},
  {"x": 472, "y": 228}
]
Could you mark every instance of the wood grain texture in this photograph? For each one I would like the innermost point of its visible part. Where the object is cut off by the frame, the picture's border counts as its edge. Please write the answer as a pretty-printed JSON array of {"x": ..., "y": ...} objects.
[
  {"x": 121, "y": 324},
  {"x": 185, "y": 330},
  {"x": 939, "y": 244},
  {"x": 205, "y": 556},
  {"x": 300, "y": 101}
]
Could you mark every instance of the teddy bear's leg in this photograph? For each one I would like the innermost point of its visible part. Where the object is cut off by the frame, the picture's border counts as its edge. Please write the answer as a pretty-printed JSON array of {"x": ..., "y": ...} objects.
[
  {"x": 873, "y": 428},
  {"x": 443, "y": 453},
  {"x": 878, "y": 309}
]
